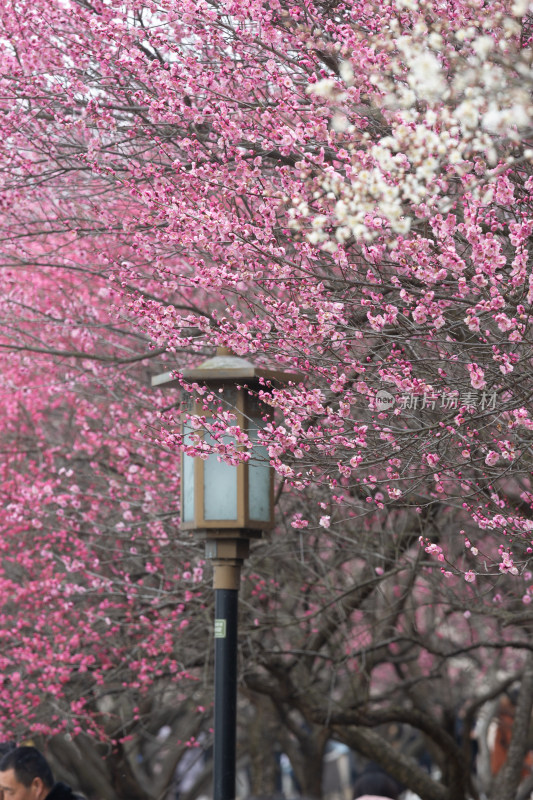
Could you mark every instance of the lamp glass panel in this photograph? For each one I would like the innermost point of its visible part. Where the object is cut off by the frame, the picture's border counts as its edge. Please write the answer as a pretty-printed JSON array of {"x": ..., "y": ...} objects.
[
  {"x": 259, "y": 477},
  {"x": 187, "y": 480},
  {"x": 220, "y": 486}
]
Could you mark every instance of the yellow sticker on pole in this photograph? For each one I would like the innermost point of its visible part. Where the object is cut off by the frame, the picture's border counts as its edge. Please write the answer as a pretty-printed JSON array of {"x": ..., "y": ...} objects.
[{"x": 220, "y": 629}]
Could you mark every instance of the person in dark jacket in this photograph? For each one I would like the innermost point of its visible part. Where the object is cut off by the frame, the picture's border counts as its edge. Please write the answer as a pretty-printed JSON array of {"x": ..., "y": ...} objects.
[
  {"x": 375, "y": 784},
  {"x": 25, "y": 774}
]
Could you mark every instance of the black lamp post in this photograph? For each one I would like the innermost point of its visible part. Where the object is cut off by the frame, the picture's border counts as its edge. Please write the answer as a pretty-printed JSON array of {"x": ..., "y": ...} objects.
[{"x": 230, "y": 505}]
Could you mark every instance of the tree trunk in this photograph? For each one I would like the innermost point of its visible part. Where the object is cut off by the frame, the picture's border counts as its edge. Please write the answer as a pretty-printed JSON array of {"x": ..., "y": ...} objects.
[
  {"x": 261, "y": 744},
  {"x": 508, "y": 780}
]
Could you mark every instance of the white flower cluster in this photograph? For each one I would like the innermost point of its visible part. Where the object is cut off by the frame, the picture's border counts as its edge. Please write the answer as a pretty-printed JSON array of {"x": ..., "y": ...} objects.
[
  {"x": 445, "y": 102},
  {"x": 327, "y": 87},
  {"x": 402, "y": 174},
  {"x": 424, "y": 70}
]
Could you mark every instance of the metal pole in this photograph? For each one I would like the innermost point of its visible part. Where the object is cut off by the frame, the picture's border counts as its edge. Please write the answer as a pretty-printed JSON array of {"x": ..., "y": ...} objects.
[{"x": 224, "y": 752}]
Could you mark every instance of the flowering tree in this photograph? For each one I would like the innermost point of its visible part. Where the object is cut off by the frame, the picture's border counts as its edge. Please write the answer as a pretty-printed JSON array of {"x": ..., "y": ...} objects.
[
  {"x": 96, "y": 604},
  {"x": 344, "y": 189}
]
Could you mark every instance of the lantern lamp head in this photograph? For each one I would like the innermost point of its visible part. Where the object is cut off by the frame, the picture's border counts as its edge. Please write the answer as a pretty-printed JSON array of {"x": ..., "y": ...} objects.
[{"x": 216, "y": 495}]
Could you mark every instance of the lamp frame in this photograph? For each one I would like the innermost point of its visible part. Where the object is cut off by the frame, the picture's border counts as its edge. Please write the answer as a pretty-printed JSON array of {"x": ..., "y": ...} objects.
[{"x": 242, "y": 521}]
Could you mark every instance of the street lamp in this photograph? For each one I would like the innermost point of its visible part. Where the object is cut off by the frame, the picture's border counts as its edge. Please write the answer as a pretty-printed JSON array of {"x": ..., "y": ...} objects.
[{"x": 230, "y": 505}]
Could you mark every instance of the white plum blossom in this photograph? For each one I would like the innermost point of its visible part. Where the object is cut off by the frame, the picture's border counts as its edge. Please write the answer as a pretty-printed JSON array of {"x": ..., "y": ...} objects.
[
  {"x": 500, "y": 120},
  {"x": 520, "y": 7},
  {"x": 483, "y": 45},
  {"x": 467, "y": 114},
  {"x": 444, "y": 100},
  {"x": 327, "y": 87},
  {"x": 426, "y": 78},
  {"x": 346, "y": 72}
]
